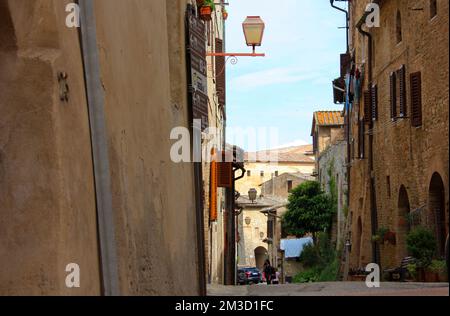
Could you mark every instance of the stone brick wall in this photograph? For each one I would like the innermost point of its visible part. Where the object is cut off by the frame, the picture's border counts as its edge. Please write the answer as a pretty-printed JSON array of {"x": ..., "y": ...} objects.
[{"x": 404, "y": 156}]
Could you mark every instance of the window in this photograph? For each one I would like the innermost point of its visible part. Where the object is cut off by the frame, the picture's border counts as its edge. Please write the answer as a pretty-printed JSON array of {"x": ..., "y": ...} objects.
[
  {"x": 262, "y": 173},
  {"x": 374, "y": 95},
  {"x": 416, "y": 99},
  {"x": 249, "y": 173},
  {"x": 388, "y": 186},
  {"x": 361, "y": 140},
  {"x": 276, "y": 173},
  {"x": 393, "y": 97},
  {"x": 433, "y": 8},
  {"x": 399, "y": 28},
  {"x": 289, "y": 184},
  {"x": 367, "y": 106},
  {"x": 402, "y": 89}
]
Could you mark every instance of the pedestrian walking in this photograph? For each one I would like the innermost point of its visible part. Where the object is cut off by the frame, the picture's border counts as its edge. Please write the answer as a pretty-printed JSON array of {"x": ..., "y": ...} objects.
[{"x": 268, "y": 272}]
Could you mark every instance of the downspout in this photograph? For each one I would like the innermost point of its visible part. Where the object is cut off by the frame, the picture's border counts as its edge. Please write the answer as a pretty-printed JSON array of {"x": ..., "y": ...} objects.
[
  {"x": 99, "y": 143},
  {"x": 346, "y": 20},
  {"x": 373, "y": 201}
]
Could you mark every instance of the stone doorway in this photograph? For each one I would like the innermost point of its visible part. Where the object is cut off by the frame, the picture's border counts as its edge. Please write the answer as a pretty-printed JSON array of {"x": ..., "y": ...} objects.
[
  {"x": 261, "y": 255},
  {"x": 436, "y": 212},
  {"x": 403, "y": 223}
]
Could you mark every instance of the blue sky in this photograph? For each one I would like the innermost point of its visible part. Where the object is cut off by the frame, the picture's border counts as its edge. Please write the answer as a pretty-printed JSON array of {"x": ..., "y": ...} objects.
[{"x": 302, "y": 43}]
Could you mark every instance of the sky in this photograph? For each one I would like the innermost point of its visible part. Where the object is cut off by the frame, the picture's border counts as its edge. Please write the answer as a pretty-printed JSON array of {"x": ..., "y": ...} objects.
[{"x": 281, "y": 91}]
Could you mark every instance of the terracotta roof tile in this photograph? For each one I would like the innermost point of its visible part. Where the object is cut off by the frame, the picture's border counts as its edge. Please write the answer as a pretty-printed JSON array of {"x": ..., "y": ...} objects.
[{"x": 324, "y": 118}]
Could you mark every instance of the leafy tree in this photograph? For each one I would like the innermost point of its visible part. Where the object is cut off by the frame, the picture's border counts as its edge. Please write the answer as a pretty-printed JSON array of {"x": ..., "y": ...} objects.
[{"x": 310, "y": 210}]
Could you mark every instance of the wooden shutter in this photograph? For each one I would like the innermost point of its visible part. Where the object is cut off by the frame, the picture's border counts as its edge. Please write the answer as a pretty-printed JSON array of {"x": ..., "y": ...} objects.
[
  {"x": 220, "y": 73},
  {"x": 393, "y": 85},
  {"x": 416, "y": 99},
  {"x": 213, "y": 192},
  {"x": 225, "y": 174},
  {"x": 346, "y": 60},
  {"x": 361, "y": 140},
  {"x": 402, "y": 84},
  {"x": 374, "y": 102},
  {"x": 367, "y": 106}
]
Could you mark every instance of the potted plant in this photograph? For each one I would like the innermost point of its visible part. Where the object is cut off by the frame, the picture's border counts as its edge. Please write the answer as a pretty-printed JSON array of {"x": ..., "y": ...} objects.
[
  {"x": 225, "y": 14},
  {"x": 437, "y": 271},
  {"x": 412, "y": 272},
  {"x": 206, "y": 10},
  {"x": 421, "y": 244}
]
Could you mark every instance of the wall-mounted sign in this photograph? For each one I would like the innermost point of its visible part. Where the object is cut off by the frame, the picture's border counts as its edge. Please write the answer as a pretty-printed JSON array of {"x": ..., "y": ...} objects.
[{"x": 196, "y": 55}]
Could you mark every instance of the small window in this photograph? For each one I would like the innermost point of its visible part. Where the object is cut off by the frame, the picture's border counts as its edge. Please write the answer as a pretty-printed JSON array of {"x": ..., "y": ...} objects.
[
  {"x": 399, "y": 28},
  {"x": 289, "y": 183},
  {"x": 388, "y": 185},
  {"x": 433, "y": 8},
  {"x": 276, "y": 173},
  {"x": 262, "y": 173},
  {"x": 249, "y": 173}
]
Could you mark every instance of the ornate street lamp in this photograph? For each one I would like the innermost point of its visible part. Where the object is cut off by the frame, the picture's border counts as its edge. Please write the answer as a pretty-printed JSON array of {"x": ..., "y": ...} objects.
[
  {"x": 254, "y": 31},
  {"x": 253, "y": 27}
]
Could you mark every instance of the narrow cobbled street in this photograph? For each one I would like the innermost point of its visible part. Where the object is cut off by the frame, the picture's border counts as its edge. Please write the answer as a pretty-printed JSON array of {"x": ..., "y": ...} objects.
[{"x": 333, "y": 289}]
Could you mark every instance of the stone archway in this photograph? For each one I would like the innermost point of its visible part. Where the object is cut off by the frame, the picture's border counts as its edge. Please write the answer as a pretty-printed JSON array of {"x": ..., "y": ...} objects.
[
  {"x": 261, "y": 255},
  {"x": 402, "y": 223},
  {"x": 437, "y": 212}
]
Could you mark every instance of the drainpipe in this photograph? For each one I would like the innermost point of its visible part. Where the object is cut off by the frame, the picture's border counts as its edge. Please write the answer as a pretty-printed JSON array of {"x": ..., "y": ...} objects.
[
  {"x": 99, "y": 143},
  {"x": 346, "y": 20},
  {"x": 373, "y": 201}
]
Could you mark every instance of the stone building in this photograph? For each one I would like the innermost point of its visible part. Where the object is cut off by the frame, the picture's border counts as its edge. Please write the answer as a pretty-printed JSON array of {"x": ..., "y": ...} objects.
[
  {"x": 214, "y": 139},
  {"x": 332, "y": 175},
  {"x": 264, "y": 165},
  {"x": 253, "y": 231},
  {"x": 282, "y": 185},
  {"x": 398, "y": 125},
  {"x": 86, "y": 175}
]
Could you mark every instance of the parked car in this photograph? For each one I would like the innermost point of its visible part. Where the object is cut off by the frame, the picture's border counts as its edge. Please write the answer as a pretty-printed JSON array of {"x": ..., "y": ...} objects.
[{"x": 249, "y": 276}]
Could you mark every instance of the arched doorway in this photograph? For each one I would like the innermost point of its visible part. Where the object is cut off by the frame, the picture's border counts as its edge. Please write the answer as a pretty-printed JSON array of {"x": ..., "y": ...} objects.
[
  {"x": 358, "y": 242},
  {"x": 403, "y": 224},
  {"x": 261, "y": 255},
  {"x": 436, "y": 211}
]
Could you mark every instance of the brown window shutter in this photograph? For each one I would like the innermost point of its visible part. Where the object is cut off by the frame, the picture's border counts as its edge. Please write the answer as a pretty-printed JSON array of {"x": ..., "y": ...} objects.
[
  {"x": 367, "y": 106},
  {"x": 213, "y": 192},
  {"x": 402, "y": 84},
  {"x": 393, "y": 84},
  {"x": 374, "y": 102},
  {"x": 224, "y": 174},
  {"x": 361, "y": 140},
  {"x": 220, "y": 73},
  {"x": 416, "y": 99}
]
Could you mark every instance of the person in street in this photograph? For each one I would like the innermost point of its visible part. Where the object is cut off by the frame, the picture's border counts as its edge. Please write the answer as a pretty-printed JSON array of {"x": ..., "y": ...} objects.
[
  {"x": 276, "y": 277},
  {"x": 268, "y": 272}
]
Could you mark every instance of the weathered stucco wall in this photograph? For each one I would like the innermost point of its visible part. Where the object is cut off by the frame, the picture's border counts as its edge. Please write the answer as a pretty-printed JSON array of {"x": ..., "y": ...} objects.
[{"x": 47, "y": 199}]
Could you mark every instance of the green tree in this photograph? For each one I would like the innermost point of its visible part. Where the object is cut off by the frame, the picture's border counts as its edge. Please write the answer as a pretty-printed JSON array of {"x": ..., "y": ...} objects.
[{"x": 310, "y": 210}]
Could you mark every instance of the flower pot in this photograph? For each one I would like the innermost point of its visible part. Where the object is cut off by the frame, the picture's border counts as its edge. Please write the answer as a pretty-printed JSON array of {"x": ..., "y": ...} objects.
[
  {"x": 225, "y": 15},
  {"x": 205, "y": 13},
  {"x": 431, "y": 277},
  {"x": 391, "y": 238}
]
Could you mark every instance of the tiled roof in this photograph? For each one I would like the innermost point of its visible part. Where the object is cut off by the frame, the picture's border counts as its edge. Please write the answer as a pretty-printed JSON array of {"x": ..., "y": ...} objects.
[
  {"x": 300, "y": 154},
  {"x": 325, "y": 118}
]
